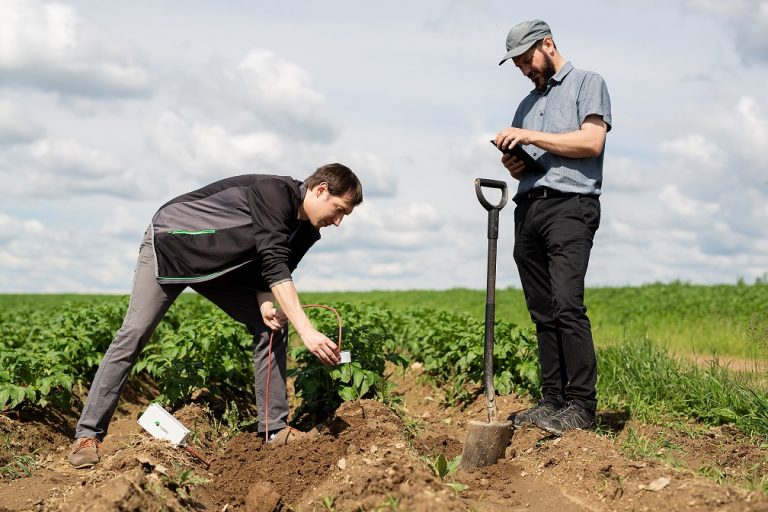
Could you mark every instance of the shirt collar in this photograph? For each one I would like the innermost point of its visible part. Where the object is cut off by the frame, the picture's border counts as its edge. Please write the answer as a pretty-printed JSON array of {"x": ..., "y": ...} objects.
[{"x": 557, "y": 78}]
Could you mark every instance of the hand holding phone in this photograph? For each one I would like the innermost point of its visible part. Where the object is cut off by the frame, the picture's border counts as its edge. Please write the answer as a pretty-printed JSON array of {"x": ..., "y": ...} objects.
[{"x": 522, "y": 155}]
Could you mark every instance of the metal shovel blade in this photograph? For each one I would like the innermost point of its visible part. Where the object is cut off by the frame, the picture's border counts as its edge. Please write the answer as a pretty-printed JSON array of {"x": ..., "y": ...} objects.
[{"x": 486, "y": 443}]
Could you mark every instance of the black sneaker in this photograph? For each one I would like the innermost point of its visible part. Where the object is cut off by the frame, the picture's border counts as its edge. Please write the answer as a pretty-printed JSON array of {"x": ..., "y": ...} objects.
[
  {"x": 571, "y": 417},
  {"x": 530, "y": 416}
]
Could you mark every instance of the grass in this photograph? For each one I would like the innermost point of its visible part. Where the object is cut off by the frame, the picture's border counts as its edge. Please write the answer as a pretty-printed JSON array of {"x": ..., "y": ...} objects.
[
  {"x": 17, "y": 467},
  {"x": 654, "y": 386},
  {"x": 638, "y": 446}
]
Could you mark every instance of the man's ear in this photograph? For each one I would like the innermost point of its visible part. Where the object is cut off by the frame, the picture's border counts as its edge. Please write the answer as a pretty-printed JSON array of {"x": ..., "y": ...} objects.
[{"x": 321, "y": 188}]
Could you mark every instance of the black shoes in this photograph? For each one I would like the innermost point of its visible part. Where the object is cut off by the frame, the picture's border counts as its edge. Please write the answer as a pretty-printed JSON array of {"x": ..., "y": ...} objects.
[
  {"x": 535, "y": 414},
  {"x": 570, "y": 417}
]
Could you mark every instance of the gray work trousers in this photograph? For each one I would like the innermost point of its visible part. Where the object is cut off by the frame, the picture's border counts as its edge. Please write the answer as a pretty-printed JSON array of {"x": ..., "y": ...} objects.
[{"x": 148, "y": 304}]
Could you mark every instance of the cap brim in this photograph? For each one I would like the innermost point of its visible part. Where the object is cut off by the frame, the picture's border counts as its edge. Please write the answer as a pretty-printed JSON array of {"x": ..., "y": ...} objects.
[{"x": 517, "y": 51}]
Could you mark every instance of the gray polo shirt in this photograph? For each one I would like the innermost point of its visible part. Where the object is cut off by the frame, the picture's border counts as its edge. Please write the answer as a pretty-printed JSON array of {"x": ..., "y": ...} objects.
[{"x": 571, "y": 95}]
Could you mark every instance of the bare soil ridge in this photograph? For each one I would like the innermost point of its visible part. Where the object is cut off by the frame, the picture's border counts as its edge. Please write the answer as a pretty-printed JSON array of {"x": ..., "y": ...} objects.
[{"x": 366, "y": 459}]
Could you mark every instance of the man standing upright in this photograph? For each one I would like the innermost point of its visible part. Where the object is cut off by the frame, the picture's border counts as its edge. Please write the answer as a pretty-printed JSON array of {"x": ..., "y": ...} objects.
[{"x": 562, "y": 124}]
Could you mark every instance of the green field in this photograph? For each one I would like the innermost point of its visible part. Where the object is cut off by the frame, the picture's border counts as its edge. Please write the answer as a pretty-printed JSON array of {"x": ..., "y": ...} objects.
[
  {"x": 726, "y": 320},
  {"x": 50, "y": 345}
]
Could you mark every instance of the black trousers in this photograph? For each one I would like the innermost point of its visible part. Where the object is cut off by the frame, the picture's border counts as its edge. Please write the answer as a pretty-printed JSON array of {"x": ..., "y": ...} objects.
[{"x": 553, "y": 240}]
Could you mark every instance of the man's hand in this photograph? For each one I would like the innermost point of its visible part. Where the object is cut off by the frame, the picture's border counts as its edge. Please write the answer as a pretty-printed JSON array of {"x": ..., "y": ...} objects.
[
  {"x": 509, "y": 138},
  {"x": 322, "y": 348},
  {"x": 315, "y": 341},
  {"x": 513, "y": 165},
  {"x": 273, "y": 318}
]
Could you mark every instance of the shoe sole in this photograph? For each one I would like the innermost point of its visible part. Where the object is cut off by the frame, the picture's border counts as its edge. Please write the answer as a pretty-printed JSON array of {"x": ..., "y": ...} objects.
[
  {"x": 554, "y": 431},
  {"x": 84, "y": 465},
  {"x": 559, "y": 433}
]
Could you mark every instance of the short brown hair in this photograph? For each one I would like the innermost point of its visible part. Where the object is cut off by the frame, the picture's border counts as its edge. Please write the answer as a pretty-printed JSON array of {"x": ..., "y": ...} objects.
[{"x": 341, "y": 181}]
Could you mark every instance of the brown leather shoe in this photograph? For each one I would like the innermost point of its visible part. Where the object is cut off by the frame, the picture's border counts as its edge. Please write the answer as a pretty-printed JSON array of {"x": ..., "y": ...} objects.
[
  {"x": 287, "y": 435},
  {"x": 84, "y": 452}
]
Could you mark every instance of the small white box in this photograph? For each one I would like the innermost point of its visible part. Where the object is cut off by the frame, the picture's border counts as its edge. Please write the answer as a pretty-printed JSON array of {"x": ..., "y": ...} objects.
[
  {"x": 346, "y": 357},
  {"x": 162, "y": 425}
]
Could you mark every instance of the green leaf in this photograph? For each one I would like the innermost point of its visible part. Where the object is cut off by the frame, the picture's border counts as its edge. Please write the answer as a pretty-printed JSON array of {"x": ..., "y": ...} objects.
[
  {"x": 358, "y": 378},
  {"x": 17, "y": 395},
  {"x": 457, "y": 487},
  {"x": 454, "y": 464},
  {"x": 348, "y": 394},
  {"x": 440, "y": 466},
  {"x": 5, "y": 394},
  {"x": 725, "y": 414}
]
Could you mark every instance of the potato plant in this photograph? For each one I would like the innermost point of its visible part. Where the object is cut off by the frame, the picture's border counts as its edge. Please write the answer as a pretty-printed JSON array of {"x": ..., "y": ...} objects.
[{"x": 365, "y": 334}]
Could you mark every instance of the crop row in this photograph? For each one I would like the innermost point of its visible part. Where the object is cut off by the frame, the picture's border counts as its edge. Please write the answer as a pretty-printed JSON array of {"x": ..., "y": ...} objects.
[{"x": 46, "y": 351}]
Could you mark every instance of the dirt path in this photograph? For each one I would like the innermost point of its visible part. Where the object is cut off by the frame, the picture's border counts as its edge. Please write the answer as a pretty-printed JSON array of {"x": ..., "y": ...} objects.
[
  {"x": 369, "y": 458},
  {"x": 736, "y": 364}
]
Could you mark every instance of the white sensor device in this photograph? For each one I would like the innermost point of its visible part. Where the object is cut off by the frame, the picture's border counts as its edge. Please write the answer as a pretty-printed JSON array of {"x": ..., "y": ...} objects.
[{"x": 162, "y": 425}]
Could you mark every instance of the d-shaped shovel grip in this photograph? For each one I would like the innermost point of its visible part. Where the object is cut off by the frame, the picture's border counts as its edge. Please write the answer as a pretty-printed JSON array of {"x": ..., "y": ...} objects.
[
  {"x": 485, "y": 182},
  {"x": 493, "y": 209}
]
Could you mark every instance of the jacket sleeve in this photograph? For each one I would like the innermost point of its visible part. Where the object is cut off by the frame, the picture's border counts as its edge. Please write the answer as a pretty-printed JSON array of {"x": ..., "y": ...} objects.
[{"x": 274, "y": 211}]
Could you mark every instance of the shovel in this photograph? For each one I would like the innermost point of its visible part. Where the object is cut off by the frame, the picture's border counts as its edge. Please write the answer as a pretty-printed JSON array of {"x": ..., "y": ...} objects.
[{"x": 487, "y": 441}]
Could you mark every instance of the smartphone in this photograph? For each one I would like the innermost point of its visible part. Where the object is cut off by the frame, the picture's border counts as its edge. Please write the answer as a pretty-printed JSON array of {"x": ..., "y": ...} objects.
[{"x": 521, "y": 154}]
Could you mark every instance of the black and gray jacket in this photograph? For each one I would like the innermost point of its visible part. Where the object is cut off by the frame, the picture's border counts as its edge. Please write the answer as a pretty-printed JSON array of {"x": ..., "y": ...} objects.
[{"x": 251, "y": 219}]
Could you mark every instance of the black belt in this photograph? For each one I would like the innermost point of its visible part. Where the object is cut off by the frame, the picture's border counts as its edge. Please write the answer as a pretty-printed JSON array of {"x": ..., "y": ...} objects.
[{"x": 541, "y": 193}]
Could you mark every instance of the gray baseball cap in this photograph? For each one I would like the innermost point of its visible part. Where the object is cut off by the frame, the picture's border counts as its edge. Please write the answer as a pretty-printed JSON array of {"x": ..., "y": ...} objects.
[{"x": 524, "y": 35}]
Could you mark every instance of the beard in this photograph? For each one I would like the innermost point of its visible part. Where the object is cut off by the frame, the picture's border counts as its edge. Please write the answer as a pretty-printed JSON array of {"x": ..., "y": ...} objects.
[{"x": 541, "y": 78}]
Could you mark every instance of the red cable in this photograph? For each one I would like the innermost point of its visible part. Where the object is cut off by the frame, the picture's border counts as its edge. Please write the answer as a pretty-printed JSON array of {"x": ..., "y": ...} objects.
[
  {"x": 269, "y": 364},
  {"x": 195, "y": 454}
]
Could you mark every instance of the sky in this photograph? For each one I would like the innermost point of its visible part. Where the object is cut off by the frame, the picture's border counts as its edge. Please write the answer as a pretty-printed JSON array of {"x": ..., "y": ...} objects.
[{"x": 109, "y": 109}]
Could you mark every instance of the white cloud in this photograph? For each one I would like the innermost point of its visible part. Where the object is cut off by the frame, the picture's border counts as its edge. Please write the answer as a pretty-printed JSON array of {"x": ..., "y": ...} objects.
[
  {"x": 280, "y": 93},
  {"x": 65, "y": 169},
  {"x": 16, "y": 126},
  {"x": 209, "y": 150},
  {"x": 263, "y": 92},
  {"x": 695, "y": 149},
  {"x": 626, "y": 175},
  {"x": 46, "y": 45},
  {"x": 11, "y": 229},
  {"x": 748, "y": 24},
  {"x": 261, "y": 115},
  {"x": 476, "y": 154},
  {"x": 377, "y": 178},
  {"x": 39, "y": 258},
  {"x": 686, "y": 206},
  {"x": 123, "y": 223},
  {"x": 390, "y": 227}
]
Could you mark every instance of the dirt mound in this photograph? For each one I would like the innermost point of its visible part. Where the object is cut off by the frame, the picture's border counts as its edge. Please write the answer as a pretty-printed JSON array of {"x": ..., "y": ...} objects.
[
  {"x": 360, "y": 459},
  {"x": 591, "y": 473}
]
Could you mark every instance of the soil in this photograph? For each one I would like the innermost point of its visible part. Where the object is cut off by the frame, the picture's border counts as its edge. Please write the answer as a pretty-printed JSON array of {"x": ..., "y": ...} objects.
[{"x": 368, "y": 457}]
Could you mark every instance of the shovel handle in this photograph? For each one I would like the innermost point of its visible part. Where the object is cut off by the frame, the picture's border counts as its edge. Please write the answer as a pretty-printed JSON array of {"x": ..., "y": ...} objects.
[{"x": 485, "y": 182}]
